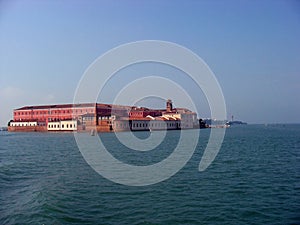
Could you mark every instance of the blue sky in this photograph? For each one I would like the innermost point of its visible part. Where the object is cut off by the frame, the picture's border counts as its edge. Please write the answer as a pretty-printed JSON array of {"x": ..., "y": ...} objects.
[{"x": 252, "y": 47}]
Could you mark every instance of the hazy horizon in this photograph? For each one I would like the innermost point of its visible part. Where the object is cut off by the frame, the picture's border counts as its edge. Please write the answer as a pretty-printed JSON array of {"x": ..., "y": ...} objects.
[{"x": 252, "y": 48}]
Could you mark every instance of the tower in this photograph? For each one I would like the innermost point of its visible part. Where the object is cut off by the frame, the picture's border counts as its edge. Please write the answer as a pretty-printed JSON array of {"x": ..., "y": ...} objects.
[{"x": 169, "y": 107}]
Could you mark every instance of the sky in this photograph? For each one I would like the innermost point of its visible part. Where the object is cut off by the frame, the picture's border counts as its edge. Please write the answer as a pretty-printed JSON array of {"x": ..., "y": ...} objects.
[{"x": 252, "y": 47}]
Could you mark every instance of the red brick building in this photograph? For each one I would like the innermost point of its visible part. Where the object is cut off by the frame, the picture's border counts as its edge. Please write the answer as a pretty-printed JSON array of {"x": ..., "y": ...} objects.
[
  {"x": 85, "y": 115},
  {"x": 100, "y": 117}
]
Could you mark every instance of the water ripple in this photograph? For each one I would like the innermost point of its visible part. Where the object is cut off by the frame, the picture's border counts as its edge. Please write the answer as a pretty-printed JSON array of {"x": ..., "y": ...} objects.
[{"x": 254, "y": 179}]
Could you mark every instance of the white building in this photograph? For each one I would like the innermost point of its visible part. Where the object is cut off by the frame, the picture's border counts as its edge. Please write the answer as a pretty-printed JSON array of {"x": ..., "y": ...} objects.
[
  {"x": 23, "y": 124},
  {"x": 187, "y": 119},
  {"x": 65, "y": 125}
]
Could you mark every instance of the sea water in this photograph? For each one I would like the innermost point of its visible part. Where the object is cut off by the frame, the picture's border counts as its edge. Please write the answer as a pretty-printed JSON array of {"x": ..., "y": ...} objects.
[{"x": 255, "y": 179}]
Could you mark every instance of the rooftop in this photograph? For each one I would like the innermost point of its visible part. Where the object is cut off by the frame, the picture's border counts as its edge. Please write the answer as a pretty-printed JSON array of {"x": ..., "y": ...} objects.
[{"x": 57, "y": 106}]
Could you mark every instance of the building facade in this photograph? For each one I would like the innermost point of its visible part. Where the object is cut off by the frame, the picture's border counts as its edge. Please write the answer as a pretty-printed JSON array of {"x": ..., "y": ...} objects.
[{"x": 100, "y": 117}]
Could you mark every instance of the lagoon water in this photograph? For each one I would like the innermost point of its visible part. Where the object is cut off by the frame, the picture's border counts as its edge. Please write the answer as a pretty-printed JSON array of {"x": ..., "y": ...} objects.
[{"x": 255, "y": 179}]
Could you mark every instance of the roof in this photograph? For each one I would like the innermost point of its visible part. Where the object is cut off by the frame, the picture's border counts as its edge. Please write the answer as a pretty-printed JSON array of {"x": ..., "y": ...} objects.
[
  {"x": 79, "y": 105},
  {"x": 57, "y": 106},
  {"x": 108, "y": 108},
  {"x": 171, "y": 118}
]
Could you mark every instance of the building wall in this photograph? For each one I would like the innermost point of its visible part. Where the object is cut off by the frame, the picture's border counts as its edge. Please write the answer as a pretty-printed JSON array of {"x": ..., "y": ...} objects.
[
  {"x": 121, "y": 125},
  {"x": 164, "y": 124},
  {"x": 52, "y": 114},
  {"x": 140, "y": 125},
  {"x": 187, "y": 120},
  {"x": 53, "y": 126},
  {"x": 27, "y": 115},
  {"x": 23, "y": 124},
  {"x": 27, "y": 129},
  {"x": 144, "y": 125},
  {"x": 143, "y": 113},
  {"x": 69, "y": 125}
]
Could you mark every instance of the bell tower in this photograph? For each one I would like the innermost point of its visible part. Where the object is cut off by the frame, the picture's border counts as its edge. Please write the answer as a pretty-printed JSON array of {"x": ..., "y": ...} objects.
[{"x": 169, "y": 107}]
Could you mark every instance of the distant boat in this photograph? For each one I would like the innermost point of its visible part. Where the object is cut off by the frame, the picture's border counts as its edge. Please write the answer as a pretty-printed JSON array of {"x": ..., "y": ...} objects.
[{"x": 230, "y": 123}]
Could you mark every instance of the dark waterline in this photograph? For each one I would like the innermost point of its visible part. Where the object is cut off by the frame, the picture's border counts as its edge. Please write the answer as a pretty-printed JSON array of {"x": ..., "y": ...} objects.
[{"x": 254, "y": 179}]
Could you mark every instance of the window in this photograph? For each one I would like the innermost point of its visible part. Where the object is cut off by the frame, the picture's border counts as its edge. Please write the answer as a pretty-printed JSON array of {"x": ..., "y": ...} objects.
[
  {"x": 67, "y": 125},
  {"x": 62, "y": 126},
  {"x": 70, "y": 125}
]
